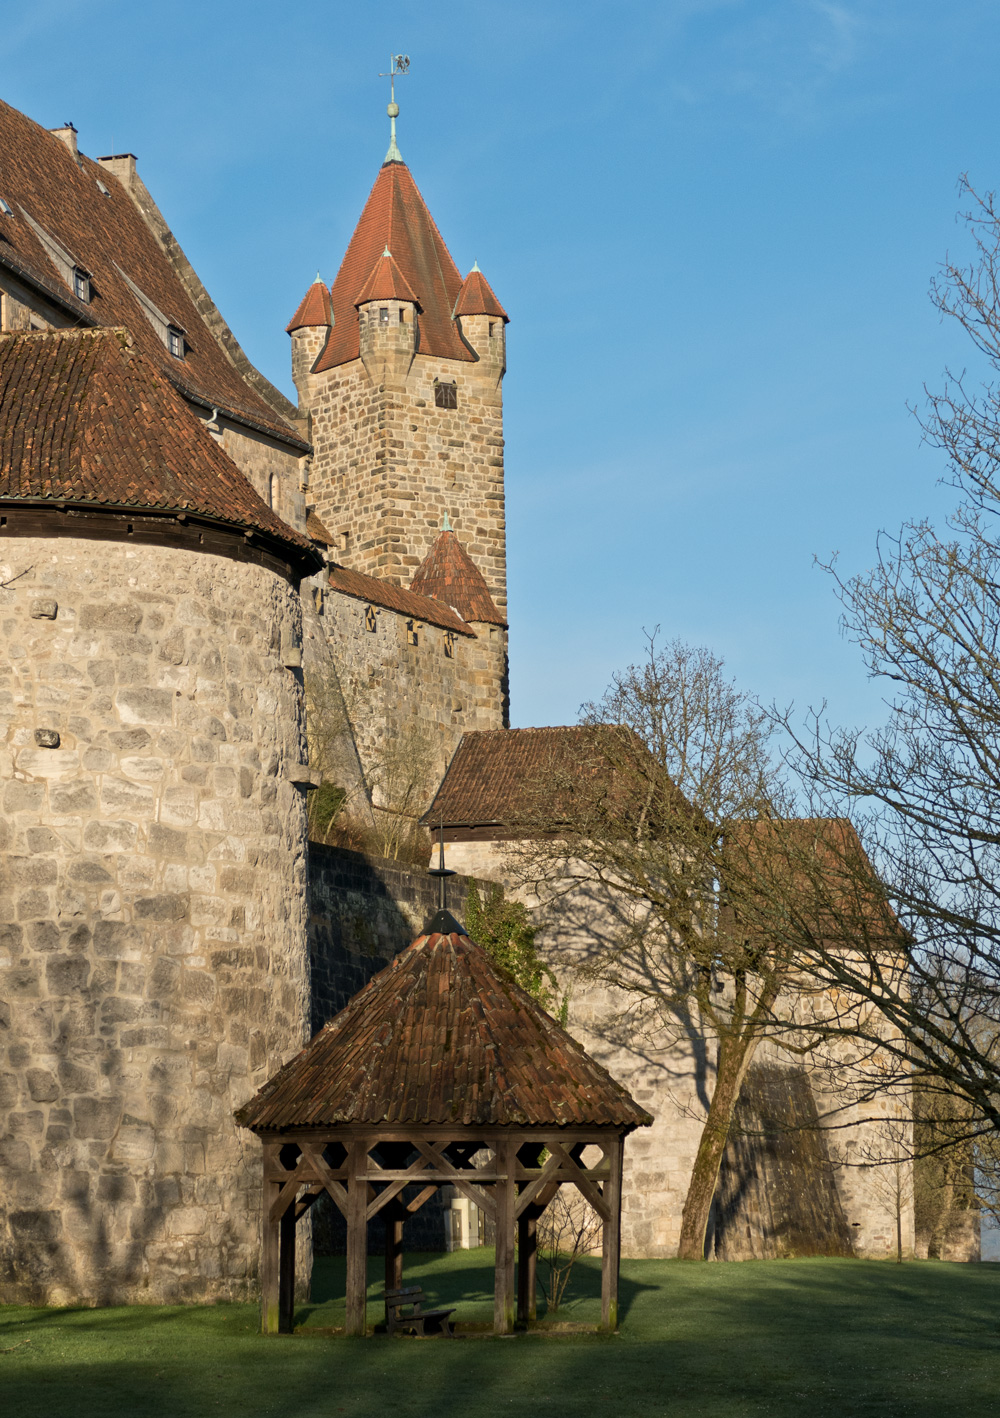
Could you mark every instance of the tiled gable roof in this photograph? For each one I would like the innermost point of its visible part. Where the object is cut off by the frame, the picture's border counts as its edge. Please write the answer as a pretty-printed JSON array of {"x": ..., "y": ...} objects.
[
  {"x": 395, "y": 216},
  {"x": 476, "y": 297},
  {"x": 386, "y": 282},
  {"x": 527, "y": 781},
  {"x": 107, "y": 235},
  {"x": 314, "y": 309},
  {"x": 442, "y": 1036},
  {"x": 87, "y": 419},
  {"x": 448, "y": 573},
  {"x": 379, "y": 592}
]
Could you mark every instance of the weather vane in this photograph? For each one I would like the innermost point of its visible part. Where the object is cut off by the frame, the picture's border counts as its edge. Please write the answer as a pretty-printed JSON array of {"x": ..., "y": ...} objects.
[{"x": 398, "y": 64}]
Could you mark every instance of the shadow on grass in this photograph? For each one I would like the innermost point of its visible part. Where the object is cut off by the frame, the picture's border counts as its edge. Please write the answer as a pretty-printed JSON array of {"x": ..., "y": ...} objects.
[
  {"x": 781, "y": 1339},
  {"x": 463, "y": 1279}
]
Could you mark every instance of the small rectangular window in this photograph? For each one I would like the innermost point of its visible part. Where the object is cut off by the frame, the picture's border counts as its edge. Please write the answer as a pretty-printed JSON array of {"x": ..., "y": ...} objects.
[
  {"x": 383, "y": 315},
  {"x": 402, "y": 315},
  {"x": 175, "y": 342},
  {"x": 81, "y": 285},
  {"x": 492, "y": 328},
  {"x": 445, "y": 395},
  {"x": 411, "y": 633}
]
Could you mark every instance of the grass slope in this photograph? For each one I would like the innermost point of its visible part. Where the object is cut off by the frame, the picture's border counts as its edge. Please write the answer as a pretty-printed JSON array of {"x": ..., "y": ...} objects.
[{"x": 810, "y": 1337}]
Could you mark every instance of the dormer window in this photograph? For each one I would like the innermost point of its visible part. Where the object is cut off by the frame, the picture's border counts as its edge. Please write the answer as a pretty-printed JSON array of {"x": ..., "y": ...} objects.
[
  {"x": 81, "y": 284},
  {"x": 6, "y": 208},
  {"x": 104, "y": 191},
  {"x": 383, "y": 315},
  {"x": 445, "y": 394},
  {"x": 175, "y": 341}
]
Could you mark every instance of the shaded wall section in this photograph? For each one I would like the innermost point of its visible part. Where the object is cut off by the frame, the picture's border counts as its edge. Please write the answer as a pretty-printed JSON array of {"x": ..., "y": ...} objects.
[
  {"x": 362, "y": 911},
  {"x": 777, "y": 1194}
]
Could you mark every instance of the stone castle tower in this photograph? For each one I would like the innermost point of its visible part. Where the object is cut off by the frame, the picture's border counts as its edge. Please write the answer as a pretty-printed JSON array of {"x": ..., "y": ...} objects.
[{"x": 400, "y": 369}]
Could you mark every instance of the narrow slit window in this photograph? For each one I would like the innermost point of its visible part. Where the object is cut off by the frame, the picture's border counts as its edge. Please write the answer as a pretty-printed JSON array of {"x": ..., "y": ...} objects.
[
  {"x": 383, "y": 315},
  {"x": 411, "y": 633},
  {"x": 371, "y": 620},
  {"x": 449, "y": 644}
]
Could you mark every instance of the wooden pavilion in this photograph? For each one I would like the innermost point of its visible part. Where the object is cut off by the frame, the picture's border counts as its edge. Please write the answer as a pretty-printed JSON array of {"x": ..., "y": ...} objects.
[{"x": 441, "y": 1071}]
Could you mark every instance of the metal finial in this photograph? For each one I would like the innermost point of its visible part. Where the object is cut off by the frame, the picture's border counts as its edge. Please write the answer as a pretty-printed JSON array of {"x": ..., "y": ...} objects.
[
  {"x": 441, "y": 871},
  {"x": 398, "y": 64},
  {"x": 387, "y": 252},
  {"x": 475, "y": 267},
  {"x": 319, "y": 280},
  {"x": 446, "y": 524}
]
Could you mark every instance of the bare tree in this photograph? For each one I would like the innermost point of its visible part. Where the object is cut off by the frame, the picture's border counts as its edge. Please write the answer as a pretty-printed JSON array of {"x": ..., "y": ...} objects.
[
  {"x": 924, "y": 790},
  {"x": 888, "y": 1159},
  {"x": 630, "y": 841},
  {"x": 567, "y": 1229}
]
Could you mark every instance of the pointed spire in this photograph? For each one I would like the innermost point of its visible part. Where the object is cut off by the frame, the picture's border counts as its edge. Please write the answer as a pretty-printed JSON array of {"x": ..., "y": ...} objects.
[
  {"x": 386, "y": 282},
  {"x": 476, "y": 297},
  {"x": 393, "y": 155},
  {"x": 316, "y": 307},
  {"x": 450, "y": 575}
]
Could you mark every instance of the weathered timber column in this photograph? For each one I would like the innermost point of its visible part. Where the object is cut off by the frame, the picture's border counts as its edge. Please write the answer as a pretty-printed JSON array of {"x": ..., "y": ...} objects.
[
  {"x": 506, "y": 1204},
  {"x": 612, "y": 1235},
  {"x": 527, "y": 1265},
  {"x": 357, "y": 1238},
  {"x": 286, "y": 1270},
  {"x": 393, "y": 1251},
  {"x": 270, "y": 1282}
]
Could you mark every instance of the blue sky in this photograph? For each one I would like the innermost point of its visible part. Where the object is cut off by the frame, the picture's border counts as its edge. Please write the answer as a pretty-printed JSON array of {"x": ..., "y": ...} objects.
[{"x": 713, "y": 223}]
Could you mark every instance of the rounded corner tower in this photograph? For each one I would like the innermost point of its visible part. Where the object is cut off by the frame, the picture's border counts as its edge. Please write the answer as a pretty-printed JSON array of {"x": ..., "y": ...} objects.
[{"x": 153, "y": 962}]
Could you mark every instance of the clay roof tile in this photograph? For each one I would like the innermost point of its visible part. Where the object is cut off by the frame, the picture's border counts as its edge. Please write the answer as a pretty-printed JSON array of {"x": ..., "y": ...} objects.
[
  {"x": 442, "y": 1036},
  {"x": 476, "y": 297},
  {"x": 396, "y": 216},
  {"x": 449, "y": 574},
  {"x": 386, "y": 282},
  {"x": 314, "y": 309}
]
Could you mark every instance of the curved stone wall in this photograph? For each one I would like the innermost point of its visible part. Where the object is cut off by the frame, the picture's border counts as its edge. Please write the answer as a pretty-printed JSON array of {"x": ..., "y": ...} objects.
[{"x": 153, "y": 966}]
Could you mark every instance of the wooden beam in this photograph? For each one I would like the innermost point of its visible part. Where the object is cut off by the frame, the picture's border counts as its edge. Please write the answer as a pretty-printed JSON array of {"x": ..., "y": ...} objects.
[
  {"x": 612, "y": 1237},
  {"x": 357, "y": 1241},
  {"x": 393, "y": 1253},
  {"x": 269, "y": 1260},
  {"x": 505, "y": 1198},
  {"x": 527, "y": 1266},
  {"x": 286, "y": 1272}
]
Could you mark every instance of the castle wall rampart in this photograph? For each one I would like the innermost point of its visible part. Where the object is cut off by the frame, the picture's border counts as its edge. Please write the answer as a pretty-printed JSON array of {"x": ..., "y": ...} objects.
[
  {"x": 153, "y": 968},
  {"x": 411, "y": 690}
]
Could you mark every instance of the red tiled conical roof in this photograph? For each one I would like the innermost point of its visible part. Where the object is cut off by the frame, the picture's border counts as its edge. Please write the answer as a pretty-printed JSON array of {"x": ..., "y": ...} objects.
[
  {"x": 316, "y": 308},
  {"x": 450, "y": 575},
  {"x": 395, "y": 216},
  {"x": 89, "y": 421},
  {"x": 442, "y": 1036},
  {"x": 386, "y": 282},
  {"x": 476, "y": 297}
]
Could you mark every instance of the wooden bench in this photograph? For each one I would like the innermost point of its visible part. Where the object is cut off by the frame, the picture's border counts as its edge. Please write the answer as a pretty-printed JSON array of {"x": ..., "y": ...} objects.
[{"x": 418, "y": 1319}]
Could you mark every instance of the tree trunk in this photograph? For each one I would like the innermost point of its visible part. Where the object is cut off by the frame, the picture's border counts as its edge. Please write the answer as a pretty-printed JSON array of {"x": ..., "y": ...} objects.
[{"x": 734, "y": 1060}]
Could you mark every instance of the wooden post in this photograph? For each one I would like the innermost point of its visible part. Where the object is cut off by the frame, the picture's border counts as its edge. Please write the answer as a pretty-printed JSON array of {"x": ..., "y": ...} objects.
[
  {"x": 270, "y": 1281},
  {"x": 612, "y": 1236},
  {"x": 506, "y": 1204},
  {"x": 527, "y": 1264},
  {"x": 357, "y": 1239},
  {"x": 393, "y": 1251},
  {"x": 286, "y": 1270}
]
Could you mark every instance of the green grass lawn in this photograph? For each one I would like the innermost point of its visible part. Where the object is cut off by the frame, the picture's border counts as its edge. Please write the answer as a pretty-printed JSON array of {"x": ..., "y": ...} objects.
[{"x": 810, "y": 1338}]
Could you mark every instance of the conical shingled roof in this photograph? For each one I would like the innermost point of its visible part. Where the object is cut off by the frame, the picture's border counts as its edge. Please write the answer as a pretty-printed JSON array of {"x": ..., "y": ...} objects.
[
  {"x": 395, "y": 216},
  {"x": 386, "y": 282},
  {"x": 476, "y": 297},
  {"x": 450, "y": 575},
  {"x": 316, "y": 308},
  {"x": 87, "y": 420},
  {"x": 441, "y": 1036}
]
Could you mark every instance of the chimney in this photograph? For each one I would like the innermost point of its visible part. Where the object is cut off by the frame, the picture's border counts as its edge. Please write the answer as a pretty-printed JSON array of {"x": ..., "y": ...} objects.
[
  {"x": 67, "y": 134},
  {"x": 122, "y": 166}
]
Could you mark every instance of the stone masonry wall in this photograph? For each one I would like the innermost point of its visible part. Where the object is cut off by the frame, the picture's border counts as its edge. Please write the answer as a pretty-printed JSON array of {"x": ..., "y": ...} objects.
[
  {"x": 389, "y": 463},
  {"x": 671, "y": 1074},
  {"x": 400, "y": 696},
  {"x": 153, "y": 970}
]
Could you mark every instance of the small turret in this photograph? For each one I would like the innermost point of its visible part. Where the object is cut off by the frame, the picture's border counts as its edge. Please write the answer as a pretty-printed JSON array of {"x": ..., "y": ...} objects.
[
  {"x": 481, "y": 319},
  {"x": 309, "y": 328},
  {"x": 388, "y": 309}
]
